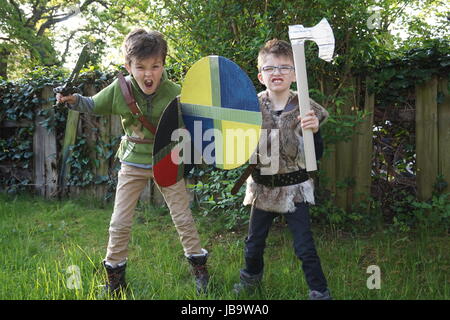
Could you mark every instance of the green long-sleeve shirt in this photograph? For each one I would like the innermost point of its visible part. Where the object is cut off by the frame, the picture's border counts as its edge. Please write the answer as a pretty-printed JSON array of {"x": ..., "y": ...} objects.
[{"x": 111, "y": 101}]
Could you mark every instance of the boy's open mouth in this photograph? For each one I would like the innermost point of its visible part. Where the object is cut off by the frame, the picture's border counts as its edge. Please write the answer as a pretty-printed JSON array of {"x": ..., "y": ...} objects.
[{"x": 148, "y": 83}]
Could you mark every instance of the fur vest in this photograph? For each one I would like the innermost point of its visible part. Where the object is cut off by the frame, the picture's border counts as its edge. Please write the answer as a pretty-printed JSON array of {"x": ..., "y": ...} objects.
[{"x": 291, "y": 158}]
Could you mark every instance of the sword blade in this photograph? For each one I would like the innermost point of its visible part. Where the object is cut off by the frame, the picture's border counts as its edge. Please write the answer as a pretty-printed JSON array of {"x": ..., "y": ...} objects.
[{"x": 79, "y": 65}]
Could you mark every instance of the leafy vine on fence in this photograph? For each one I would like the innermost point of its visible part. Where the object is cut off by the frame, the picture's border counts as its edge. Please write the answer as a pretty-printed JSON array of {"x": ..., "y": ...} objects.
[{"x": 20, "y": 105}]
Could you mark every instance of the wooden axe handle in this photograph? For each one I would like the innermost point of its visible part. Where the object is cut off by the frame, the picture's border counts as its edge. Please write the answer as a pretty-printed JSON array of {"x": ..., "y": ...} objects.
[{"x": 304, "y": 104}]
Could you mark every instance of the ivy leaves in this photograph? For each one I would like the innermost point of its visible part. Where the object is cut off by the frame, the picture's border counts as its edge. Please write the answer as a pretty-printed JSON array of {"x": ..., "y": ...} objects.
[{"x": 21, "y": 105}]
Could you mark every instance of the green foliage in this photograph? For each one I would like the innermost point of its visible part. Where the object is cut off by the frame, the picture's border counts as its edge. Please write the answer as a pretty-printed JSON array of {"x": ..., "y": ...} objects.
[
  {"x": 17, "y": 150},
  {"x": 406, "y": 67},
  {"x": 34, "y": 32},
  {"x": 239, "y": 29},
  {"x": 24, "y": 38},
  {"x": 18, "y": 103},
  {"x": 214, "y": 198},
  {"x": 403, "y": 215},
  {"x": 21, "y": 101},
  {"x": 341, "y": 127},
  {"x": 80, "y": 163},
  {"x": 21, "y": 98},
  {"x": 363, "y": 217},
  {"x": 411, "y": 214}
]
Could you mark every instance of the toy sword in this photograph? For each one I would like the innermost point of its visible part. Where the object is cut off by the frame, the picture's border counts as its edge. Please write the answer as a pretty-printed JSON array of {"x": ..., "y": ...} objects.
[
  {"x": 68, "y": 88},
  {"x": 72, "y": 118}
]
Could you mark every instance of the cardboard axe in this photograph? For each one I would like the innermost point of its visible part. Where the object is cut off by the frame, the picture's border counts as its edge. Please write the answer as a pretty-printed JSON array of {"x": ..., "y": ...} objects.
[{"x": 322, "y": 34}]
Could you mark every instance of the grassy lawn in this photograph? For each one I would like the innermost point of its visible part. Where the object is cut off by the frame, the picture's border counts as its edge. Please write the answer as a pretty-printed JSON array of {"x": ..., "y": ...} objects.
[{"x": 40, "y": 241}]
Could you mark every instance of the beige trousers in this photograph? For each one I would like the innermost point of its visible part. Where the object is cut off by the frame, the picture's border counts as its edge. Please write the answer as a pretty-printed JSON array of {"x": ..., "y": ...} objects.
[{"x": 131, "y": 181}]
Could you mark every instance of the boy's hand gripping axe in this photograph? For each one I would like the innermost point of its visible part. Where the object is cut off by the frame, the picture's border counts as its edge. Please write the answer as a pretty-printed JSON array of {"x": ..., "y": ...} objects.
[{"x": 322, "y": 34}]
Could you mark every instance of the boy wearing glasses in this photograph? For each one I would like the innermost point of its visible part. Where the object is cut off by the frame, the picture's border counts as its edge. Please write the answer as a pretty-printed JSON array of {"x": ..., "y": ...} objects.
[
  {"x": 289, "y": 190},
  {"x": 145, "y": 55}
]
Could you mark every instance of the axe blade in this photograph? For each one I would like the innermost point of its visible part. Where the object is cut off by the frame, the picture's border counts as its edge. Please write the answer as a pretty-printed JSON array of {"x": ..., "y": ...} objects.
[{"x": 321, "y": 34}]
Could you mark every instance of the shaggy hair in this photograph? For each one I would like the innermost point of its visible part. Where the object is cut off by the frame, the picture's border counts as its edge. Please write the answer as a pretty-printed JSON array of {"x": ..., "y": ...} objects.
[
  {"x": 277, "y": 48},
  {"x": 141, "y": 44}
]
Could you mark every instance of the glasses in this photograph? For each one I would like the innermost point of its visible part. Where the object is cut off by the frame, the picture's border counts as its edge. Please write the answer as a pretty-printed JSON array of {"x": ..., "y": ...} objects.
[{"x": 282, "y": 69}]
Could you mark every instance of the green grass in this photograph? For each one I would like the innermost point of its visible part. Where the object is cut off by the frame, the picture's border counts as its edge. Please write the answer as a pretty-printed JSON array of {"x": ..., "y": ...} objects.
[{"x": 40, "y": 240}]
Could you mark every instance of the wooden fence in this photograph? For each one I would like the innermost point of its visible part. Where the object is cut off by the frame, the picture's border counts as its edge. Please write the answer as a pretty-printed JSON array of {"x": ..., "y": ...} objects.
[
  {"x": 352, "y": 160},
  {"x": 347, "y": 161},
  {"x": 432, "y": 135},
  {"x": 46, "y": 170}
]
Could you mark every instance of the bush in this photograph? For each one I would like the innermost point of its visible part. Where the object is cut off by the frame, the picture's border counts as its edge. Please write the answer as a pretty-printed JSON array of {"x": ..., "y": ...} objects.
[
  {"x": 213, "y": 195},
  {"x": 423, "y": 215}
]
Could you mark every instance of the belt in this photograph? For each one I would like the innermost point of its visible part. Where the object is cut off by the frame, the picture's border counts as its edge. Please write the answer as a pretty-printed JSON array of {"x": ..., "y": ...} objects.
[
  {"x": 280, "y": 180},
  {"x": 138, "y": 140}
]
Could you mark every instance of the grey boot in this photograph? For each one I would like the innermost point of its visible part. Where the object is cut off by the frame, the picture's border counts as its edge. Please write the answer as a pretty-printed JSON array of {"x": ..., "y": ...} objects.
[
  {"x": 317, "y": 295},
  {"x": 249, "y": 283},
  {"x": 200, "y": 271}
]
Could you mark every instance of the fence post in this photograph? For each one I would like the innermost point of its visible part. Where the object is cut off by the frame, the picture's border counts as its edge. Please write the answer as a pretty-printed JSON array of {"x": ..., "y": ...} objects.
[
  {"x": 363, "y": 150},
  {"x": 100, "y": 130},
  {"x": 444, "y": 132},
  {"x": 328, "y": 169},
  {"x": 327, "y": 165},
  {"x": 44, "y": 148},
  {"x": 426, "y": 138},
  {"x": 344, "y": 159},
  {"x": 70, "y": 135}
]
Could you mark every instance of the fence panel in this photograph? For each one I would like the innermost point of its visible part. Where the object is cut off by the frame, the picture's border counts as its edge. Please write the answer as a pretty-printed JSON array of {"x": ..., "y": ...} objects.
[
  {"x": 426, "y": 137},
  {"x": 45, "y": 153},
  {"x": 70, "y": 135},
  {"x": 363, "y": 151}
]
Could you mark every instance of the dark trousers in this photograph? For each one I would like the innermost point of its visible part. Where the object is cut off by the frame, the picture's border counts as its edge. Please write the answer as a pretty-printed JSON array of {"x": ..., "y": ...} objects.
[{"x": 299, "y": 224}]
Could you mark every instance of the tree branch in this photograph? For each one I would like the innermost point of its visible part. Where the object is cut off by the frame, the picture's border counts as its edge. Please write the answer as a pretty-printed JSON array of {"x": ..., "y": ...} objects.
[
  {"x": 66, "y": 50},
  {"x": 16, "y": 6},
  {"x": 52, "y": 20},
  {"x": 389, "y": 18}
]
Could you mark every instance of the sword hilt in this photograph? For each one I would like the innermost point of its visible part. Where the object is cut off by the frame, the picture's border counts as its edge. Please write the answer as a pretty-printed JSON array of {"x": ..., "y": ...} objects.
[{"x": 65, "y": 90}]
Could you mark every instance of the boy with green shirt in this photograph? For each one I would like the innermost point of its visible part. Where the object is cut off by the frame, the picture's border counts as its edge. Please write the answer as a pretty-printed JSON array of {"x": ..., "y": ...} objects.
[{"x": 145, "y": 54}]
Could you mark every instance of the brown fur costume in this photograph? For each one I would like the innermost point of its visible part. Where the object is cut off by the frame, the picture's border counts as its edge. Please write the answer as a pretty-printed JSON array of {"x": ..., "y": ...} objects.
[{"x": 291, "y": 158}]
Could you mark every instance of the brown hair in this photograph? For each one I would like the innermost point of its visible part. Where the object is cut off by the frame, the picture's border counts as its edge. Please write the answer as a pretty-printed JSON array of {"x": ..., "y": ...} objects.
[
  {"x": 277, "y": 48},
  {"x": 140, "y": 44}
]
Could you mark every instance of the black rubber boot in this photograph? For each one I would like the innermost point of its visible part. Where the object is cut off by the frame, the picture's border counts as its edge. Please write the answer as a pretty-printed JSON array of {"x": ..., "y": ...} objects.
[
  {"x": 249, "y": 283},
  {"x": 200, "y": 271},
  {"x": 116, "y": 283}
]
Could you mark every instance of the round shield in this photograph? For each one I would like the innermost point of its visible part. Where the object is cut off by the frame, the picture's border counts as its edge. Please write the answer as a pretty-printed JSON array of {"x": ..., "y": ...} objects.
[{"x": 221, "y": 112}]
